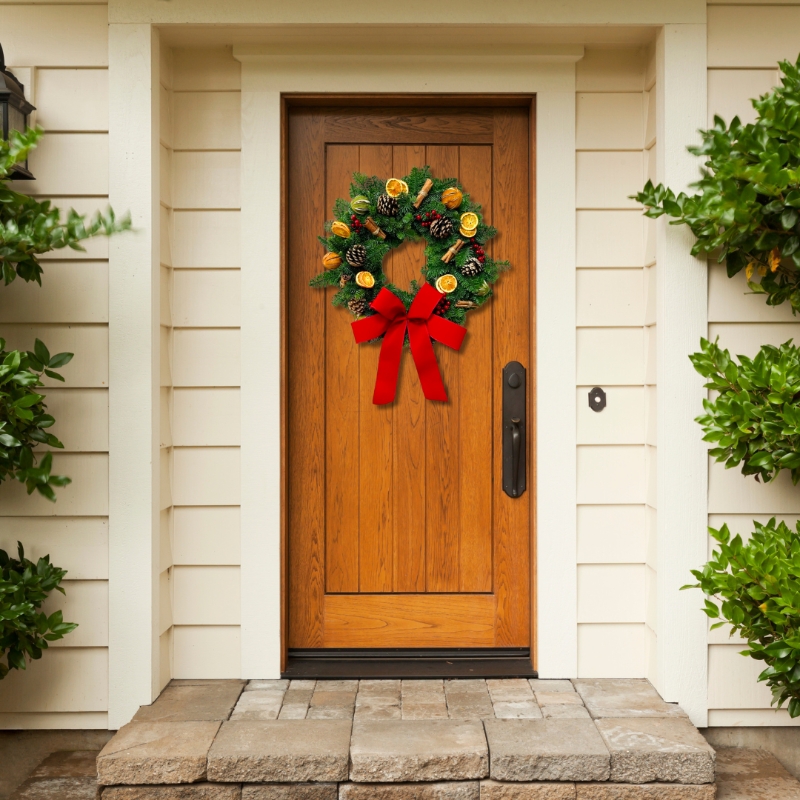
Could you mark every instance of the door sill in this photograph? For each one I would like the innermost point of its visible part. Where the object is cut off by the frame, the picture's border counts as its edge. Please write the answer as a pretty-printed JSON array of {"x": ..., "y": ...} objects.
[{"x": 410, "y": 663}]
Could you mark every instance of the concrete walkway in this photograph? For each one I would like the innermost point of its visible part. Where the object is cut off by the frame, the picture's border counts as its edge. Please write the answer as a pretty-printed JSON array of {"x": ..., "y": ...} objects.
[{"x": 509, "y": 739}]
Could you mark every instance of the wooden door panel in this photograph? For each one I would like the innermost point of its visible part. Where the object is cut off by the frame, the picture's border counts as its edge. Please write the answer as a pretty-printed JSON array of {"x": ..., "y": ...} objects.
[{"x": 399, "y": 533}]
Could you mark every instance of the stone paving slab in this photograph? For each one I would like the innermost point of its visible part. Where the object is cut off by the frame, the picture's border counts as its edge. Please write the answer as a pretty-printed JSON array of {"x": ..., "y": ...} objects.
[
  {"x": 546, "y": 750},
  {"x": 278, "y": 685},
  {"x": 647, "y": 791},
  {"x": 657, "y": 749},
  {"x": 192, "y": 702},
  {"x": 517, "y": 709},
  {"x": 565, "y": 712},
  {"x": 417, "y": 750},
  {"x": 157, "y": 752},
  {"x": 57, "y": 789},
  {"x": 280, "y": 751},
  {"x": 744, "y": 774},
  {"x": 290, "y": 791},
  {"x": 624, "y": 698},
  {"x": 258, "y": 705},
  {"x": 497, "y": 790},
  {"x": 545, "y": 685},
  {"x": 451, "y": 790},
  {"x": 192, "y": 791},
  {"x": 68, "y": 764}
]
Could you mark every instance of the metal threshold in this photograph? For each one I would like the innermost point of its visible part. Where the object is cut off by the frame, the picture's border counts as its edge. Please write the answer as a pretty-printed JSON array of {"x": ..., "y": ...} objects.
[{"x": 410, "y": 663}]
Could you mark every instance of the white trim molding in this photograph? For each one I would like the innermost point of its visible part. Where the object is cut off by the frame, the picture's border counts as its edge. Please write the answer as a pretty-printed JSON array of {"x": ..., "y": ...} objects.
[
  {"x": 133, "y": 356},
  {"x": 550, "y": 75},
  {"x": 682, "y": 318}
]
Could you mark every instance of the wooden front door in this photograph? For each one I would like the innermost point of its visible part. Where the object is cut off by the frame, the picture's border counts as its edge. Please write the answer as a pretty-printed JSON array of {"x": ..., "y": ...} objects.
[{"x": 399, "y": 534}]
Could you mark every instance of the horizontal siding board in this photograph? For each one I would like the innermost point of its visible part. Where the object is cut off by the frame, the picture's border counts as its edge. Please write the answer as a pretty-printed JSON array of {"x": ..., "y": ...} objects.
[
  {"x": 58, "y": 721},
  {"x": 610, "y": 297},
  {"x": 610, "y": 239},
  {"x": 72, "y": 99},
  {"x": 207, "y": 357},
  {"x": 165, "y": 176},
  {"x": 71, "y": 291},
  {"x": 207, "y": 239},
  {"x": 610, "y": 356},
  {"x": 165, "y": 416},
  {"x": 86, "y": 603},
  {"x": 207, "y": 476},
  {"x": 615, "y": 70},
  {"x": 622, "y": 421},
  {"x": 89, "y": 367},
  {"x": 206, "y": 180},
  {"x": 76, "y": 544},
  {"x": 611, "y": 534},
  {"x": 165, "y": 474},
  {"x": 610, "y": 121},
  {"x": 212, "y": 69},
  {"x": 65, "y": 36},
  {"x": 87, "y": 495},
  {"x": 730, "y": 300},
  {"x": 650, "y": 294},
  {"x": 165, "y": 601},
  {"x": 207, "y": 417},
  {"x": 751, "y": 717},
  {"x": 203, "y": 651},
  {"x": 165, "y": 296},
  {"x": 747, "y": 338},
  {"x": 207, "y": 121},
  {"x": 611, "y": 475},
  {"x": 730, "y": 492},
  {"x": 607, "y": 179},
  {"x": 611, "y": 593},
  {"x": 207, "y": 595},
  {"x": 165, "y": 116},
  {"x": 65, "y": 679},
  {"x": 650, "y": 106},
  {"x": 81, "y": 418},
  {"x": 752, "y": 35},
  {"x": 730, "y": 92},
  {"x": 611, "y": 650},
  {"x": 69, "y": 164},
  {"x": 733, "y": 679},
  {"x": 651, "y": 409},
  {"x": 206, "y": 298},
  {"x": 207, "y": 535}
]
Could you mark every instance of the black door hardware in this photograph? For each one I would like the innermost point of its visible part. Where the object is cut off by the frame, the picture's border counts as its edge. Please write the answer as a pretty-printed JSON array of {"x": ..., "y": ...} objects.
[{"x": 514, "y": 428}]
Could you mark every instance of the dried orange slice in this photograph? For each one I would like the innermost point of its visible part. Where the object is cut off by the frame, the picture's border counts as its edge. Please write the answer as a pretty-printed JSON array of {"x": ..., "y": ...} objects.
[
  {"x": 446, "y": 283},
  {"x": 365, "y": 279},
  {"x": 340, "y": 229},
  {"x": 469, "y": 234},
  {"x": 395, "y": 187},
  {"x": 469, "y": 221}
]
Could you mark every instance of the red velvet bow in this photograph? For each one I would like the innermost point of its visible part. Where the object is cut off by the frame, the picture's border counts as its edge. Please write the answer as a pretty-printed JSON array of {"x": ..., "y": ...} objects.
[{"x": 422, "y": 325}]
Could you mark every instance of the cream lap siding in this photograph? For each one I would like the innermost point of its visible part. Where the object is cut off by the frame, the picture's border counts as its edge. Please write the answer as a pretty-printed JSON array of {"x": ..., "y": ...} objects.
[
  {"x": 206, "y": 363},
  {"x": 612, "y": 353},
  {"x": 166, "y": 314},
  {"x": 60, "y": 54},
  {"x": 744, "y": 44}
]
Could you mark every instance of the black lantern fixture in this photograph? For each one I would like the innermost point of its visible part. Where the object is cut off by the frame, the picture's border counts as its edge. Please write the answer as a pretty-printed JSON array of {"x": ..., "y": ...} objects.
[{"x": 14, "y": 111}]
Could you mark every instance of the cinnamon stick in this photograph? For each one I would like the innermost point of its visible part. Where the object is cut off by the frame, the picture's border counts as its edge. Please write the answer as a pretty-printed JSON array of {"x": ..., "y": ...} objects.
[
  {"x": 423, "y": 193},
  {"x": 452, "y": 251},
  {"x": 370, "y": 225}
]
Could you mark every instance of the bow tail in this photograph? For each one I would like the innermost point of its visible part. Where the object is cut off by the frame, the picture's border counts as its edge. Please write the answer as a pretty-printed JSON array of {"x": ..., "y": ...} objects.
[
  {"x": 425, "y": 360},
  {"x": 389, "y": 364}
]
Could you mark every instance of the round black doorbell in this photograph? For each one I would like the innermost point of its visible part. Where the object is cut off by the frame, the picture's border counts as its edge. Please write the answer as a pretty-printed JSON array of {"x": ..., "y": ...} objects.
[{"x": 597, "y": 399}]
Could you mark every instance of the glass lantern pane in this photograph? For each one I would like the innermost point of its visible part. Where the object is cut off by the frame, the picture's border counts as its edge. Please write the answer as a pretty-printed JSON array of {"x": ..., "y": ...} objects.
[{"x": 16, "y": 119}]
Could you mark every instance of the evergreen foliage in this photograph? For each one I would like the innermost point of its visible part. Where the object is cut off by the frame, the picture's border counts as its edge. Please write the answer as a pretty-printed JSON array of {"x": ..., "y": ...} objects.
[
  {"x": 747, "y": 209},
  {"x": 757, "y": 592},
  {"x": 24, "y": 629},
  {"x": 405, "y": 225}
]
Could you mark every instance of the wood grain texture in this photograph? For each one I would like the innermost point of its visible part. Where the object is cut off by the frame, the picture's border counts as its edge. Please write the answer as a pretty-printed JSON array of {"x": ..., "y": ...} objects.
[
  {"x": 410, "y": 620},
  {"x": 405, "y": 510}
]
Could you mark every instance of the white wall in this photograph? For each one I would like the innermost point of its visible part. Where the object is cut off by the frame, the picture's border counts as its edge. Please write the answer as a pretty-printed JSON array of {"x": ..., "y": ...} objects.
[
  {"x": 61, "y": 54},
  {"x": 744, "y": 44},
  {"x": 615, "y": 309}
]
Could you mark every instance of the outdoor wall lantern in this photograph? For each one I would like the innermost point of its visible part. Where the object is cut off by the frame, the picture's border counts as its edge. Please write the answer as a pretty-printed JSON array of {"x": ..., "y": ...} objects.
[{"x": 14, "y": 111}]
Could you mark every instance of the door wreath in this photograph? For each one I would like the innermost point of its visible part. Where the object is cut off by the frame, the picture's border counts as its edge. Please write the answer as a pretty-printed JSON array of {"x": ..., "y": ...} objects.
[{"x": 459, "y": 275}]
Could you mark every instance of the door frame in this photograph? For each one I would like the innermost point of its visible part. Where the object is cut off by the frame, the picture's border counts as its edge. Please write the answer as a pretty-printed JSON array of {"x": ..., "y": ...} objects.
[{"x": 271, "y": 82}]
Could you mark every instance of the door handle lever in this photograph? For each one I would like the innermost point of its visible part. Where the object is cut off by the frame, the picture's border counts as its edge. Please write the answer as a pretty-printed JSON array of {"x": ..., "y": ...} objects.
[{"x": 514, "y": 429}]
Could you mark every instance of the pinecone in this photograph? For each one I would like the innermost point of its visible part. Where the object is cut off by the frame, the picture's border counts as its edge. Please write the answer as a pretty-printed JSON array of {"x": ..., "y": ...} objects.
[
  {"x": 358, "y": 306},
  {"x": 441, "y": 228},
  {"x": 356, "y": 256},
  {"x": 387, "y": 205},
  {"x": 472, "y": 267}
]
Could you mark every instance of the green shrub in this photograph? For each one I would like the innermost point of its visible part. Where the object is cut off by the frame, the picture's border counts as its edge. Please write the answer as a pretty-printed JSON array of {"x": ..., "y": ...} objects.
[
  {"x": 747, "y": 210},
  {"x": 24, "y": 629},
  {"x": 754, "y": 419},
  {"x": 756, "y": 587}
]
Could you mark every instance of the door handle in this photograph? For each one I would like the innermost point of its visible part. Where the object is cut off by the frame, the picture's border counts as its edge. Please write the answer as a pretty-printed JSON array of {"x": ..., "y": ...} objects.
[{"x": 514, "y": 429}]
